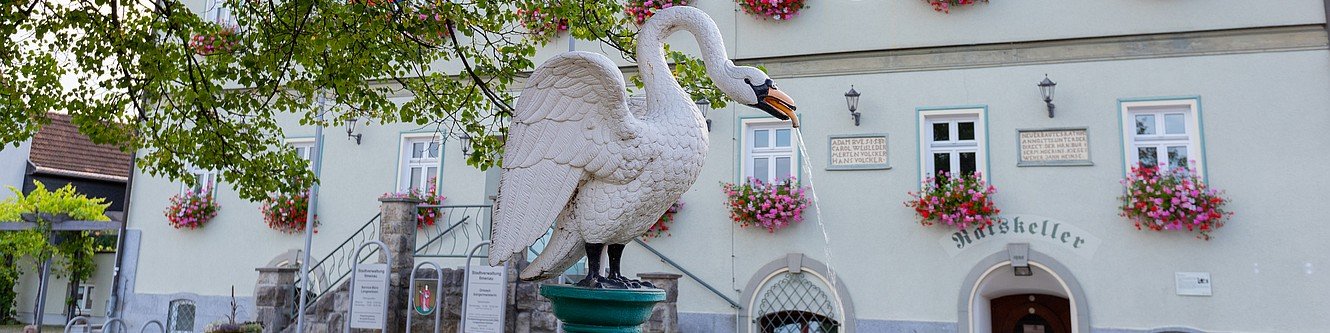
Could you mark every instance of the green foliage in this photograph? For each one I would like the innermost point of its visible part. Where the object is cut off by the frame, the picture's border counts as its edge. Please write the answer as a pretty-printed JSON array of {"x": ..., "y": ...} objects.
[
  {"x": 72, "y": 252},
  {"x": 140, "y": 74}
]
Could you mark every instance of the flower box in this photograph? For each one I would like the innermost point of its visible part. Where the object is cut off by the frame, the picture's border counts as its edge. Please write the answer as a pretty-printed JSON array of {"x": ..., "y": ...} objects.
[
  {"x": 1172, "y": 200},
  {"x": 961, "y": 201},
  {"x": 773, "y": 206}
]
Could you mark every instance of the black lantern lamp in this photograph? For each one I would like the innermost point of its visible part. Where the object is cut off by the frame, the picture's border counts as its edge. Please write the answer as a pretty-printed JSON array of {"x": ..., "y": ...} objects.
[
  {"x": 852, "y": 100},
  {"x": 465, "y": 141},
  {"x": 704, "y": 105},
  {"x": 351, "y": 129},
  {"x": 1046, "y": 88}
]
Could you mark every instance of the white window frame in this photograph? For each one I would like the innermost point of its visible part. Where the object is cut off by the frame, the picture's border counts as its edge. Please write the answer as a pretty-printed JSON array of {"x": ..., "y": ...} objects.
[
  {"x": 1161, "y": 140},
  {"x": 205, "y": 182},
  {"x": 84, "y": 303},
  {"x": 304, "y": 148},
  {"x": 405, "y": 162},
  {"x": 216, "y": 11},
  {"x": 771, "y": 152},
  {"x": 955, "y": 146}
]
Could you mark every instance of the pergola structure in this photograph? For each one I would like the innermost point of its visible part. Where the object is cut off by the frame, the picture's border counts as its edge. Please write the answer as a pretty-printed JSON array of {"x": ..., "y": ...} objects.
[{"x": 46, "y": 266}]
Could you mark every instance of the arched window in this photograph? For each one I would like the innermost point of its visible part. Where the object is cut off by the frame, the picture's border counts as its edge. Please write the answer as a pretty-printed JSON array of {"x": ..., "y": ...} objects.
[
  {"x": 793, "y": 304},
  {"x": 793, "y": 295},
  {"x": 180, "y": 316}
]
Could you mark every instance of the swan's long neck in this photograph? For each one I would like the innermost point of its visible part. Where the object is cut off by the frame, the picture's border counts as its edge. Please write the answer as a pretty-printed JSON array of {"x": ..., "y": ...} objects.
[{"x": 655, "y": 71}]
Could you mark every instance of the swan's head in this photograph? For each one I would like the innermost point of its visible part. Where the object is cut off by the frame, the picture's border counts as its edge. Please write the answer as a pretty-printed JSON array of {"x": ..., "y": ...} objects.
[{"x": 754, "y": 88}]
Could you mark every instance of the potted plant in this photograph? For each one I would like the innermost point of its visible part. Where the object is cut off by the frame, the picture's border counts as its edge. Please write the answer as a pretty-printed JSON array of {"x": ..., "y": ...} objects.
[
  {"x": 287, "y": 212},
  {"x": 231, "y": 326},
  {"x": 641, "y": 10},
  {"x": 961, "y": 201},
  {"x": 426, "y": 216},
  {"x": 772, "y": 206},
  {"x": 779, "y": 10},
  {"x": 662, "y": 226},
  {"x": 945, "y": 6},
  {"x": 191, "y": 210},
  {"x": 540, "y": 19},
  {"x": 220, "y": 40},
  {"x": 1172, "y": 199}
]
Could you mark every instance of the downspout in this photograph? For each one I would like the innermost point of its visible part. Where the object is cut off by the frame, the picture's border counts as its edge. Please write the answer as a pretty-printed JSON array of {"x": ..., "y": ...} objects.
[{"x": 113, "y": 308}]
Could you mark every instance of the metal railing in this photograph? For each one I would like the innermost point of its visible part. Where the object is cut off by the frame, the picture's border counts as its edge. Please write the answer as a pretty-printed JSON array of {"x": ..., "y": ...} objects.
[
  {"x": 456, "y": 229},
  {"x": 329, "y": 271},
  {"x": 690, "y": 275}
]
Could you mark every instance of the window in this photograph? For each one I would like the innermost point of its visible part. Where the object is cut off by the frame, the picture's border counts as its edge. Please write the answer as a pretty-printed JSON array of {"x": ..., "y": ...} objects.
[
  {"x": 180, "y": 316},
  {"x": 304, "y": 149},
  {"x": 952, "y": 141},
  {"x": 769, "y": 151},
  {"x": 1164, "y": 133},
  {"x": 218, "y": 12},
  {"x": 420, "y": 161},
  {"x": 205, "y": 182},
  {"x": 83, "y": 299},
  {"x": 792, "y": 303}
]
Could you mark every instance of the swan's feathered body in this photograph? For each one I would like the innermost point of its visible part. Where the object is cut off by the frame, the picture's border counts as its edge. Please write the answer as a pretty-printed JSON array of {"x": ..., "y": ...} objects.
[{"x": 580, "y": 157}]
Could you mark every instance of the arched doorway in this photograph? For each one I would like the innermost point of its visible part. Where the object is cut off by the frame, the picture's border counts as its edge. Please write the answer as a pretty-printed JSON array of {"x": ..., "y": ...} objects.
[
  {"x": 995, "y": 299},
  {"x": 795, "y": 294}
]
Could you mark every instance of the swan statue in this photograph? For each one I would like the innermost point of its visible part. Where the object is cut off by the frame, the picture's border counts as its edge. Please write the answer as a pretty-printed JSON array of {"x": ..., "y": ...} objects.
[{"x": 601, "y": 168}]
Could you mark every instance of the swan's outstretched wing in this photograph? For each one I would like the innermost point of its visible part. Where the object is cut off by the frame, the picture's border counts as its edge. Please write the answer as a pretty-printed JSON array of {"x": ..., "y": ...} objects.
[{"x": 570, "y": 124}]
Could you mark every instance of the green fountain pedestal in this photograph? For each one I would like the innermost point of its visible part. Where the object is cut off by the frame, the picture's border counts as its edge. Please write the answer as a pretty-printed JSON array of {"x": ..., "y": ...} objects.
[{"x": 587, "y": 310}]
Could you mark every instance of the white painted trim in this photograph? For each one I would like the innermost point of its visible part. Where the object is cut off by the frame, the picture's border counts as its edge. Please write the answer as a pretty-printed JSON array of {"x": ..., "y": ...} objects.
[
  {"x": 747, "y": 150},
  {"x": 402, "y": 152},
  {"x": 1192, "y": 105},
  {"x": 980, "y": 137},
  {"x": 1071, "y": 297}
]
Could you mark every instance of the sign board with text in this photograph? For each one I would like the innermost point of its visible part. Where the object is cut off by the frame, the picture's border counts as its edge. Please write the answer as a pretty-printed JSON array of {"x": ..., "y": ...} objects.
[
  {"x": 1053, "y": 147},
  {"x": 369, "y": 296},
  {"x": 857, "y": 152},
  {"x": 485, "y": 298},
  {"x": 1192, "y": 283}
]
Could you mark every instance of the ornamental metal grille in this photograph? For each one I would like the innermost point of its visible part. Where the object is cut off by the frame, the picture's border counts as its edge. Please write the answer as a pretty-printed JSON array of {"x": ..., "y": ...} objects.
[
  {"x": 794, "y": 304},
  {"x": 180, "y": 316}
]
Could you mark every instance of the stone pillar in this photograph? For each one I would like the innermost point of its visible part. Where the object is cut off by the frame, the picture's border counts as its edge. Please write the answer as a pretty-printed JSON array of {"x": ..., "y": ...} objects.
[
  {"x": 397, "y": 230},
  {"x": 665, "y": 316},
  {"x": 274, "y": 297}
]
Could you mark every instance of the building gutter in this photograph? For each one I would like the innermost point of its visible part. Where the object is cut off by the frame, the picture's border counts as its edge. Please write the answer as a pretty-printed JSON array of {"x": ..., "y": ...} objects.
[{"x": 113, "y": 310}]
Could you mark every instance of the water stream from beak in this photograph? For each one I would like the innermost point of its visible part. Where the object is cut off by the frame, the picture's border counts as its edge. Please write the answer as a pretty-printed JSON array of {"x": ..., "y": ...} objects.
[{"x": 807, "y": 163}]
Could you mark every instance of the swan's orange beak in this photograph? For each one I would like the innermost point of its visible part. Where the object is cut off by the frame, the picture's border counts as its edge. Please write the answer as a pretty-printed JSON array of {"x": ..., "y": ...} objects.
[{"x": 776, "y": 103}]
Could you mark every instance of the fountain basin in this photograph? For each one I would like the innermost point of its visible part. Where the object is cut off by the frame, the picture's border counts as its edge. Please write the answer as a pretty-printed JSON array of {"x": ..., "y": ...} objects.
[{"x": 587, "y": 310}]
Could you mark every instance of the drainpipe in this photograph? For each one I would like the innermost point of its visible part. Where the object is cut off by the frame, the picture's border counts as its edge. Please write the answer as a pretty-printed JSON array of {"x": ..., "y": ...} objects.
[{"x": 113, "y": 304}]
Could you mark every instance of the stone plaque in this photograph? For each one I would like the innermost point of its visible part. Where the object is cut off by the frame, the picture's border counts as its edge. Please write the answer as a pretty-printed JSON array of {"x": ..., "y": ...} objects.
[
  {"x": 857, "y": 152},
  {"x": 369, "y": 296},
  {"x": 1053, "y": 147},
  {"x": 484, "y": 299},
  {"x": 1192, "y": 283}
]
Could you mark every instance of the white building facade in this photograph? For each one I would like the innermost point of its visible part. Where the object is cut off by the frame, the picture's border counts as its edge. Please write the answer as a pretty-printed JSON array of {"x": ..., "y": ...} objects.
[{"x": 1236, "y": 90}]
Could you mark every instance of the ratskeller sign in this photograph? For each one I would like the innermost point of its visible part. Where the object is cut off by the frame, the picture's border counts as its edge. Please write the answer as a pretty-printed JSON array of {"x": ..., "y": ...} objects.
[{"x": 1016, "y": 228}]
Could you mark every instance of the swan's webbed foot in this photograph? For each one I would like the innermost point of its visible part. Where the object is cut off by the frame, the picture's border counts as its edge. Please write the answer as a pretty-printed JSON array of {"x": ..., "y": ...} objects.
[
  {"x": 633, "y": 283},
  {"x": 600, "y": 282}
]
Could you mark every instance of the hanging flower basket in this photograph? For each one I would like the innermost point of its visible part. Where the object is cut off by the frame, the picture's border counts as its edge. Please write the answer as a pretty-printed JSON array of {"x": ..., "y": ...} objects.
[
  {"x": 1172, "y": 200},
  {"x": 287, "y": 213},
  {"x": 540, "y": 20},
  {"x": 959, "y": 201},
  {"x": 769, "y": 205},
  {"x": 425, "y": 216},
  {"x": 662, "y": 226},
  {"x": 224, "y": 40},
  {"x": 945, "y": 6},
  {"x": 191, "y": 210},
  {"x": 779, "y": 10},
  {"x": 641, "y": 10},
  {"x": 426, "y": 23}
]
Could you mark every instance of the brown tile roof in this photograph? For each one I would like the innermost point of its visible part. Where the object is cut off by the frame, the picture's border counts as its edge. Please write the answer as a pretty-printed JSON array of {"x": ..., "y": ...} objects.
[{"x": 59, "y": 148}]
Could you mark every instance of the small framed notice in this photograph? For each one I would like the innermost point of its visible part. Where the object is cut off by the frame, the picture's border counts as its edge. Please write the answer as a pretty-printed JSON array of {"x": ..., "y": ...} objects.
[
  {"x": 857, "y": 152},
  {"x": 1053, "y": 147},
  {"x": 1192, "y": 283},
  {"x": 370, "y": 296}
]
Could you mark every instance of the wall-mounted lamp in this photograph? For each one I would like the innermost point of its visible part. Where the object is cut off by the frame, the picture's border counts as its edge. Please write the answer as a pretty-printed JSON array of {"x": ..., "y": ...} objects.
[
  {"x": 465, "y": 141},
  {"x": 1019, "y": 254},
  {"x": 351, "y": 129},
  {"x": 704, "y": 105},
  {"x": 852, "y": 100},
  {"x": 1046, "y": 88}
]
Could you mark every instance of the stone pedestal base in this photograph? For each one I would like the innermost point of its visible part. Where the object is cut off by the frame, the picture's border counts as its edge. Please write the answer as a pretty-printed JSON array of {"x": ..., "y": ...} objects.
[{"x": 586, "y": 310}]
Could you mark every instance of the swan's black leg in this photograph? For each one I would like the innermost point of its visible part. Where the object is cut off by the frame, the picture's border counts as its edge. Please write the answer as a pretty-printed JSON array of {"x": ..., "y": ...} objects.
[
  {"x": 616, "y": 254},
  {"x": 593, "y": 278}
]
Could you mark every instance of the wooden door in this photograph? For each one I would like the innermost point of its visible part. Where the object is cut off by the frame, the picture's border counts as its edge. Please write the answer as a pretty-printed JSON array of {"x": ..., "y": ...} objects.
[{"x": 1031, "y": 313}]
